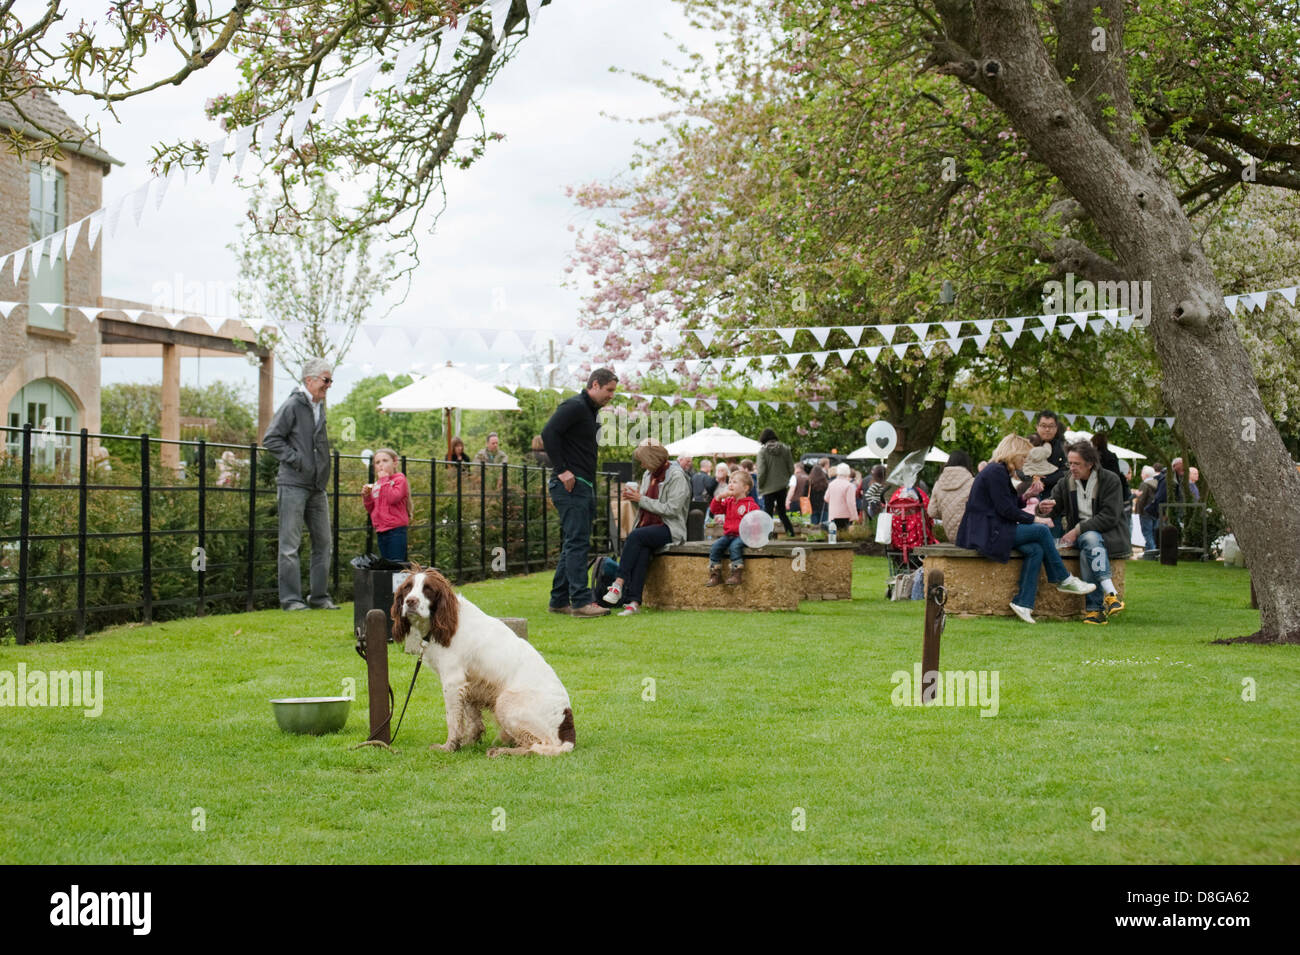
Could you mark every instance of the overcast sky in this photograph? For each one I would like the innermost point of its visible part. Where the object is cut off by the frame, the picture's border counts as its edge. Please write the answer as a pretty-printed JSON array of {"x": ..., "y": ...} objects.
[{"x": 506, "y": 223}]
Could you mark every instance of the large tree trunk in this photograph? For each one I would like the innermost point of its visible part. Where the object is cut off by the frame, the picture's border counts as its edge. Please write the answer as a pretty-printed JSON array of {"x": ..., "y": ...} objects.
[{"x": 1112, "y": 172}]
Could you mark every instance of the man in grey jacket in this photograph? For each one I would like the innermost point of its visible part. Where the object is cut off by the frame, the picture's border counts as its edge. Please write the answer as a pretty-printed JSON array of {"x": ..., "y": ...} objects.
[{"x": 297, "y": 438}]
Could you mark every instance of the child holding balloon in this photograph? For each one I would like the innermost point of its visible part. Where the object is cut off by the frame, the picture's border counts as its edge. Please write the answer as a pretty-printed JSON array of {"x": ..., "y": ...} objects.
[{"x": 734, "y": 503}]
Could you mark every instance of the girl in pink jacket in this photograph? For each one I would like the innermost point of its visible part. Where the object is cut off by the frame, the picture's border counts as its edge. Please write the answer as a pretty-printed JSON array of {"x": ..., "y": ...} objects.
[
  {"x": 388, "y": 502},
  {"x": 841, "y": 497}
]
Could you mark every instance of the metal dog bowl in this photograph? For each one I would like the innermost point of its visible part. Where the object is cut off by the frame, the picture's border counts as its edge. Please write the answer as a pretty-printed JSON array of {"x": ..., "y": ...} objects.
[{"x": 315, "y": 715}]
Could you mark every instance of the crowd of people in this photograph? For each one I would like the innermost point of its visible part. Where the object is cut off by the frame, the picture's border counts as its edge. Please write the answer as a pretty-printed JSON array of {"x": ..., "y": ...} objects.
[{"x": 1036, "y": 495}]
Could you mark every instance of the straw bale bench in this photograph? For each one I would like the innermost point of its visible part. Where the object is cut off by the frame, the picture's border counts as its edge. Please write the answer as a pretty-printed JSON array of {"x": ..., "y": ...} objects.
[
  {"x": 775, "y": 578},
  {"x": 978, "y": 586}
]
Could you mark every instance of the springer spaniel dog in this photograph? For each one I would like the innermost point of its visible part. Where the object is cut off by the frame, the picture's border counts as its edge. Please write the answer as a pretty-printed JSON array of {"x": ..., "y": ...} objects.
[{"x": 483, "y": 665}]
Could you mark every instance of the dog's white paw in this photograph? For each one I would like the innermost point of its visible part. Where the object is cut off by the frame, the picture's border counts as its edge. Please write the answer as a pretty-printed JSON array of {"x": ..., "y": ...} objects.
[{"x": 447, "y": 747}]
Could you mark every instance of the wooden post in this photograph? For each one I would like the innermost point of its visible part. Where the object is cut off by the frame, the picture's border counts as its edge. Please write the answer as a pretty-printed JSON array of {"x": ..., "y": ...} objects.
[
  {"x": 169, "y": 454},
  {"x": 377, "y": 674},
  {"x": 265, "y": 392},
  {"x": 934, "y": 620}
]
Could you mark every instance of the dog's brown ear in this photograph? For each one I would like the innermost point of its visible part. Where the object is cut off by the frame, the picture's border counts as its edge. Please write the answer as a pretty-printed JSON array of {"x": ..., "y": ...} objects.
[
  {"x": 396, "y": 614},
  {"x": 444, "y": 609}
]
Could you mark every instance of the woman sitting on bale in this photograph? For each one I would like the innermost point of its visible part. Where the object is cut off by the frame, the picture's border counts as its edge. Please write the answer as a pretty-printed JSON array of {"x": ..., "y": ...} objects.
[
  {"x": 661, "y": 504},
  {"x": 994, "y": 523}
]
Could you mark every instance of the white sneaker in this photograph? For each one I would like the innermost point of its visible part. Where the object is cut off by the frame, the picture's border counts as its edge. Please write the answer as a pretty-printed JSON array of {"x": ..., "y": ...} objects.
[
  {"x": 629, "y": 610},
  {"x": 613, "y": 594},
  {"x": 1024, "y": 613},
  {"x": 1073, "y": 585}
]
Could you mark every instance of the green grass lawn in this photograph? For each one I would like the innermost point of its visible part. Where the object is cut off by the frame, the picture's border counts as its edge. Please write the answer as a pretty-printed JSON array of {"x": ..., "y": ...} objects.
[{"x": 755, "y": 717}]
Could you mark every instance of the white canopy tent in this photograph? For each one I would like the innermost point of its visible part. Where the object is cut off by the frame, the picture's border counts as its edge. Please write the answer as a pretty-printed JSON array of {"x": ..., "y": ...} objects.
[
  {"x": 714, "y": 442},
  {"x": 1072, "y": 436},
  {"x": 868, "y": 453},
  {"x": 445, "y": 388}
]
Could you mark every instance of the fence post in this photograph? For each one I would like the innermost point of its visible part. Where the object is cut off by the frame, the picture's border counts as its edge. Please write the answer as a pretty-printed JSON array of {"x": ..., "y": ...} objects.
[
  {"x": 146, "y": 544},
  {"x": 505, "y": 516},
  {"x": 252, "y": 525},
  {"x": 433, "y": 513},
  {"x": 460, "y": 526},
  {"x": 81, "y": 536},
  {"x": 334, "y": 533},
  {"x": 370, "y": 525},
  {"x": 24, "y": 527},
  {"x": 482, "y": 520},
  {"x": 523, "y": 496},
  {"x": 203, "y": 537}
]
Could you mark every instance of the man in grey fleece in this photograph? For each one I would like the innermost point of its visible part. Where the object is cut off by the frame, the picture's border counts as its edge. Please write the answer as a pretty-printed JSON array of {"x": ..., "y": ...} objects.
[{"x": 297, "y": 438}]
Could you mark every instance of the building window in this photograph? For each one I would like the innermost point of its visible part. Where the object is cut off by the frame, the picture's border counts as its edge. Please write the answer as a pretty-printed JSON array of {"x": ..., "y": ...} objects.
[
  {"x": 46, "y": 406},
  {"x": 48, "y": 214}
]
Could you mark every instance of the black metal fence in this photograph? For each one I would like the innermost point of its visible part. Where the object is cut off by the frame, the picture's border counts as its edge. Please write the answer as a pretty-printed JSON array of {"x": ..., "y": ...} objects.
[{"x": 97, "y": 530}]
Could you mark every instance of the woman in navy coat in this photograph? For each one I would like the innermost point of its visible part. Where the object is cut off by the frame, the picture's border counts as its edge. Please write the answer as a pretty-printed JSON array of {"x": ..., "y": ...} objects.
[{"x": 995, "y": 522}]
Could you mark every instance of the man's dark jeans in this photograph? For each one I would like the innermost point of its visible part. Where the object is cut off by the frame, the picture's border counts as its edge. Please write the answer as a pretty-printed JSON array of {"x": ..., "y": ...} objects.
[{"x": 577, "y": 510}]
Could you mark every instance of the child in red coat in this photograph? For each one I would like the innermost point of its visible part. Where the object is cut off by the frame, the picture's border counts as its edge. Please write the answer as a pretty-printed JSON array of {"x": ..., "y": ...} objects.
[
  {"x": 388, "y": 502},
  {"x": 735, "y": 503}
]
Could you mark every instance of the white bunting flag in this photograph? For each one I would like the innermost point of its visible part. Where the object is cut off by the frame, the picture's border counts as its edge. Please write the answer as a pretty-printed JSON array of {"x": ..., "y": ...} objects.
[
  {"x": 7, "y": 307},
  {"x": 1008, "y": 412},
  {"x": 1125, "y": 322},
  {"x": 692, "y": 365},
  {"x": 361, "y": 82},
  {"x": 333, "y": 98},
  {"x": 132, "y": 314},
  {"x": 710, "y": 403},
  {"x": 981, "y": 341},
  {"x": 1039, "y": 332},
  {"x": 215, "y": 155},
  {"x": 873, "y": 352},
  {"x": 406, "y": 59},
  {"x": 301, "y": 114},
  {"x": 1066, "y": 331},
  {"x": 887, "y": 331},
  {"x": 1080, "y": 319},
  {"x": 1257, "y": 301},
  {"x": 375, "y": 332},
  {"x": 40, "y": 260},
  {"x": 1288, "y": 294},
  {"x": 1096, "y": 325},
  {"x": 269, "y": 132},
  {"x": 1049, "y": 322},
  {"x": 753, "y": 406},
  {"x": 954, "y": 345},
  {"x": 1009, "y": 337},
  {"x": 776, "y": 405},
  {"x": 833, "y": 405},
  {"x": 787, "y": 336},
  {"x": 1031, "y": 416},
  {"x": 1130, "y": 421},
  {"x": 498, "y": 10},
  {"x": 70, "y": 238},
  {"x": 705, "y": 335},
  {"x": 489, "y": 336},
  {"x": 448, "y": 41},
  {"x": 927, "y": 348},
  {"x": 985, "y": 326},
  {"x": 855, "y": 331},
  {"x": 820, "y": 358},
  {"x": 952, "y": 329},
  {"x": 163, "y": 183},
  {"x": 845, "y": 355},
  {"x": 93, "y": 226},
  {"x": 1230, "y": 302},
  {"x": 920, "y": 330},
  {"x": 900, "y": 349},
  {"x": 1017, "y": 324},
  {"x": 968, "y": 408},
  {"x": 815, "y": 405},
  {"x": 533, "y": 7},
  {"x": 821, "y": 332},
  {"x": 243, "y": 139}
]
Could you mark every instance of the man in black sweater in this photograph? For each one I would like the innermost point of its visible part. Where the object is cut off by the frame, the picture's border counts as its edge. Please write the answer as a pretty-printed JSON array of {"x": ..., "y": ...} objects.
[{"x": 570, "y": 439}]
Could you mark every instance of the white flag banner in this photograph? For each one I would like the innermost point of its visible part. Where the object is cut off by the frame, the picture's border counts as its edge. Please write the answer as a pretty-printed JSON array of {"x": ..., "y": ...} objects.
[
  {"x": 820, "y": 358},
  {"x": 1125, "y": 322},
  {"x": 301, "y": 114},
  {"x": 873, "y": 352},
  {"x": 692, "y": 365},
  {"x": 1031, "y": 416},
  {"x": 1039, "y": 332},
  {"x": 498, "y": 10},
  {"x": 269, "y": 136},
  {"x": 489, "y": 336},
  {"x": 406, "y": 59},
  {"x": 173, "y": 319},
  {"x": 1009, "y": 337},
  {"x": 845, "y": 355},
  {"x": 215, "y": 155},
  {"x": 7, "y": 307},
  {"x": 1049, "y": 322},
  {"x": 1017, "y": 324},
  {"x": 954, "y": 345},
  {"x": 40, "y": 260},
  {"x": 776, "y": 405},
  {"x": 815, "y": 405},
  {"x": 243, "y": 140},
  {"x": 1067, "y": 330},
  {"x": 1288, "y": 294},
  {"x": 764, "y": 361},
  {"x": 711, "y": 403},
  {"x": 214, "y": 322},
  {"x": 1257, "y": 301},
  {"x": 1080, "y": 319},
  {"x": 951, "y": 329},
  {"x": 834, "y": 405},
  {"x": 132, "y": 314},
  {"x": 93, "y": 225},
  {"x": 985, "y": 326},
  {"x": 70, "y": 238},
  {"x": 334, "y": 98},
  {"x": 927, "y": 348},
  {"x": 855, "y": 331},
  {"x": 1151, "y": 422},
  {"x": 920, "y": 330},
  {"x": 705, "y": 335},
  {"x": 787, "y": 336},
  {"x": 900, "y": 349},
  {"x": 448, "y": 41},
  {"x": 1008, "y": 412},
  {"x": 1230, "y": 302},
  {"x": 753, "y": 406},
  {"x": 374, "y": 333},
  {"x": 1130, "y": 421},
  {"x": 1096, "y": 325},
  {"x": 886, "y": 331},
  {"x": 362, "y": 81},
  {"x": 821, "y": 333},
  {"x": 163, "y": 183},
  {"x": 533, "y": 7},
  {"x": 981, "y": 341},
  {"x": 139, "y": 196}
]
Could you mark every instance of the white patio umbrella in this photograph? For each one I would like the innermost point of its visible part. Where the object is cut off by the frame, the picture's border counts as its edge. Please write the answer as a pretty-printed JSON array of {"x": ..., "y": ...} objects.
[
  {"x": 446, "y": 388},
  {"x": 868, "y": 453},
  {"x": 714, "y": 442},
  {"x": 1072, "y": 436}
]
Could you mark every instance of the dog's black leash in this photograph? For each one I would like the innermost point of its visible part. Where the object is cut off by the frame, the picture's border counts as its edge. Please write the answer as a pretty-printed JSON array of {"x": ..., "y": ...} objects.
[{"x": 373, "y": 741}]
